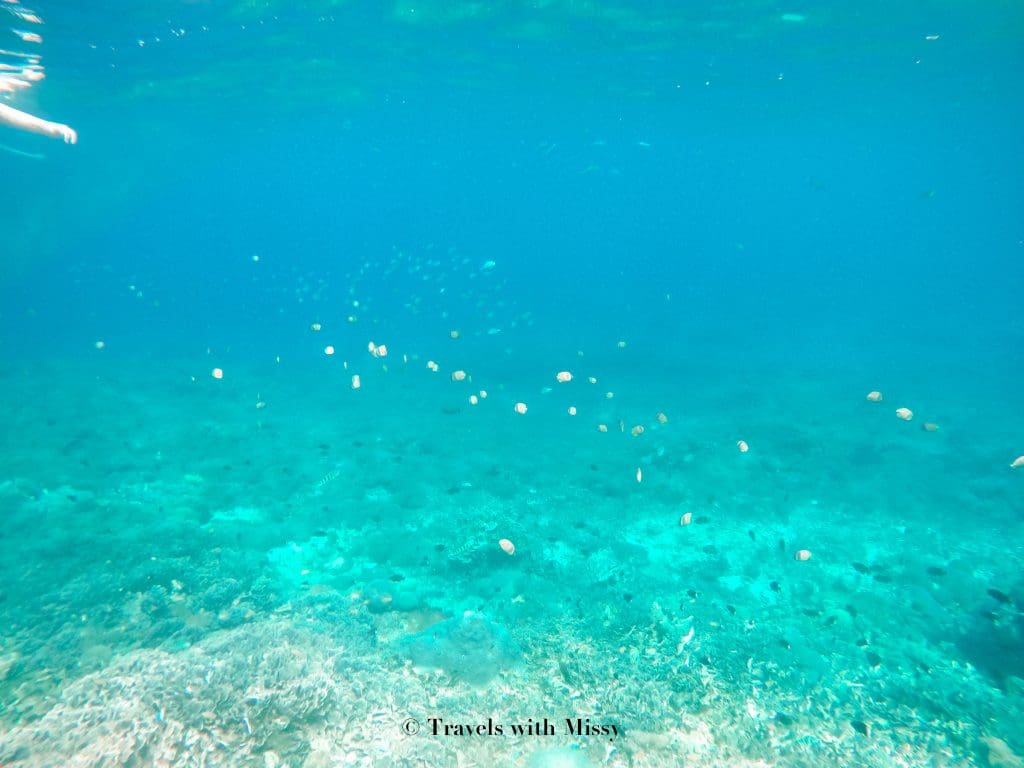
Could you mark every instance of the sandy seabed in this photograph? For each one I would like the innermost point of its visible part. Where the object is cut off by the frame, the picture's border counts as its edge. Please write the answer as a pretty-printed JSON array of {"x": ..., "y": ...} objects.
[{"x": 190, "y": 580}]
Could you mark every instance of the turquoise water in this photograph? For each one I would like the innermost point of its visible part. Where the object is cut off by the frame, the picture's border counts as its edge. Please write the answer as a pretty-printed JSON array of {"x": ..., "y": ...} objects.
[{"x": 725, "y": 225}]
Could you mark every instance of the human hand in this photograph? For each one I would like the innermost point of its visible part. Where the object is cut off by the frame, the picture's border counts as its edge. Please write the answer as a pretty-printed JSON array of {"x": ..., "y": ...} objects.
[{"x": 61, "y": 131}]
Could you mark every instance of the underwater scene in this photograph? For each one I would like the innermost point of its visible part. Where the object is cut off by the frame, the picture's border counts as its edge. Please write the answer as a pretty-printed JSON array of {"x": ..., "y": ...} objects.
[{"x": 532, "y": 383}]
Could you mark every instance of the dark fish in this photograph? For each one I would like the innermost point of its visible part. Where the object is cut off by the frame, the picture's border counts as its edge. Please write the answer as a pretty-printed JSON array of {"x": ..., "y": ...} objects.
[
  {"x": 710, "y": 549},
  {"x": 692, "y": 593},
  {"x": 1002, "y": 597},
  {"x": 860, "y": 567},
  {"x": 775, "y": 586},
  {"x": 752, "y": 535},
  {"x": 883, "y": 578},
  {"x": 851, "y": 610},
  {"x": 861, "y": 642},
  {"x": 731, "y": 609},
  {"x": 873, "y": 658},
  {"x": 830, "y": 621},
  {"x": 784, "y": 643},
  {"x": 701, "y": 519},
  {"x": 860, "y": 727},
  {"x": 935, "y": 570},
  {"x": 812, "y": 612}
]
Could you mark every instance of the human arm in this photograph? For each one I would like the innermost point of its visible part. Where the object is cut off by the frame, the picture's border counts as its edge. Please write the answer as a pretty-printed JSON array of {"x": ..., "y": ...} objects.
[{"x": 25, "y": 122}]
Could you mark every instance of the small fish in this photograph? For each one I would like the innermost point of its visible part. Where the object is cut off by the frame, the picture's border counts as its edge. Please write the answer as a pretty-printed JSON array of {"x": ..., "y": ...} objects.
[
  {"x": 860, "y": 727},
  {"x": 332, "y": 475},
  {"x": 775, "y": 586},
  {"x": 1002, "y": 597},
  {"x": 860, "y": 567},
  {"x": 935, "y": 570},
  {"x": 873, "y": 658}
]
